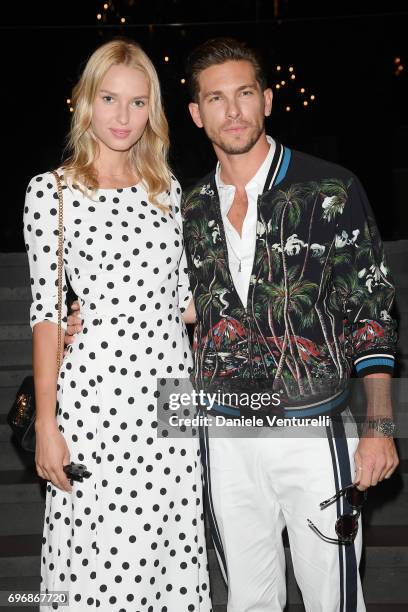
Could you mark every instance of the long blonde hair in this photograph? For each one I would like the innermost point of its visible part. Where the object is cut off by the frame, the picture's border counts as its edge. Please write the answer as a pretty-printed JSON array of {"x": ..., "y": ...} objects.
[{"x": 148, "y": 156}]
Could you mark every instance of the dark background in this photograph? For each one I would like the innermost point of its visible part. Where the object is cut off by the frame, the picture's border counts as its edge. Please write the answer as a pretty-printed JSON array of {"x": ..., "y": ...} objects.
[{"x": 342, "y": 52}]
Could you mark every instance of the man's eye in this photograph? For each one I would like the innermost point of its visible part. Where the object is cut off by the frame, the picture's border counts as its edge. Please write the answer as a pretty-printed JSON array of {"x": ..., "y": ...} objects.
[
  {"x": 247, "y": 92},
  {"x": 214, "y": 98}
]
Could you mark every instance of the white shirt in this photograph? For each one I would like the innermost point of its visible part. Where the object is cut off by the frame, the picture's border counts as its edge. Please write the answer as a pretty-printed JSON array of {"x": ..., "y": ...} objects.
[{"x": 241, "y": 249}]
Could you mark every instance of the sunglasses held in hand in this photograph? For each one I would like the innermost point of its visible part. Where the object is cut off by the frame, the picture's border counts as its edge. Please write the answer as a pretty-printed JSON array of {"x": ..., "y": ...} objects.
[{"x": 347, "y": 524}]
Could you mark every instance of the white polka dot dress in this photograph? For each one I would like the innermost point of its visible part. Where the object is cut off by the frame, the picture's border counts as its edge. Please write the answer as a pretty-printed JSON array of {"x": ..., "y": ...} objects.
[{"x": 131, "y": 537}]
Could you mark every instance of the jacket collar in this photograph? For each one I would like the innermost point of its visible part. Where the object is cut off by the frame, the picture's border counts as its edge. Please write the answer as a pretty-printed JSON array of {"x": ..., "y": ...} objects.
[{"x": 276, "y": 173}]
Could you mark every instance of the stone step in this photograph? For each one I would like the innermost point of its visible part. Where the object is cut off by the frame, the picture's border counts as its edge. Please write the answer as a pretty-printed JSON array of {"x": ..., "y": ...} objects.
[
  {"x": 19, "y": 555},
  {"x": 13, "y": 458},
  {"x": 14, "y": 331},
  {"x": 11, "y": 376},
  {"x": 15, "y": 312},
  {"x": 15, "y": 276},
  {"x": 15, "y": 352},
  {"x": 21, "y": 487},
  {"x": 387, "y": 503},
  {"x": 21, "y": 518},
  {"x": 15, "y": 294},
  {"x": 21, "y": 583},
  {"x": 17, "y": 583},
  {"x": 5, "y": 431}
]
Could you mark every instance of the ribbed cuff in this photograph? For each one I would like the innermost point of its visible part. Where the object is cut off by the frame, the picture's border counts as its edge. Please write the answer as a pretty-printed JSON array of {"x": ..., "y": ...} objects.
[{"x": 374, "y": 363}]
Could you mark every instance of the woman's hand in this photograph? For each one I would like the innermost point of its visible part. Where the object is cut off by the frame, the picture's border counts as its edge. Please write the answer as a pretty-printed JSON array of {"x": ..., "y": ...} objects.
[{"x": 51, "y": 454}]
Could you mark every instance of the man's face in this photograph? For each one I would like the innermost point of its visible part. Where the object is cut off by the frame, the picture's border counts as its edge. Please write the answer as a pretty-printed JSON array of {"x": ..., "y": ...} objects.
[{"x": 231, "y": 106}]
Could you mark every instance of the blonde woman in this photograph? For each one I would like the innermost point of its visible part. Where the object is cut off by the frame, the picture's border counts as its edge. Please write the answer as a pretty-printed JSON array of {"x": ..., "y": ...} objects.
[{"x": 131, "y": 536}]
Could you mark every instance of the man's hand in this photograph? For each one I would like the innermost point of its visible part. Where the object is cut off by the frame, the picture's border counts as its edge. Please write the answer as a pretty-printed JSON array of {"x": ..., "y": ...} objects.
[
  {"x": 375, "y": 459},
  {"x": 74, "y": 325}
]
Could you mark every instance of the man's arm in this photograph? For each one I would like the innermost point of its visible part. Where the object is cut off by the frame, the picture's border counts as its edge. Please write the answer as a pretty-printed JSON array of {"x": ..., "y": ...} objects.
[
  {"x": 376, "y": 456},
  {"x": 371, "y": 334},
  {"x": 74, "y": 324}
]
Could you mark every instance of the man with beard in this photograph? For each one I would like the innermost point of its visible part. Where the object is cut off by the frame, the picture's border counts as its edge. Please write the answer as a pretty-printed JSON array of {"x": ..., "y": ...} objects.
[{"x": 291, "y": 291}]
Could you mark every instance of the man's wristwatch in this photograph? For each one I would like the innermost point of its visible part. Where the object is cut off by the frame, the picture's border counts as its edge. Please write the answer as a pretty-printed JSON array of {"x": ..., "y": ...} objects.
[{"x": 385, "y": 426}]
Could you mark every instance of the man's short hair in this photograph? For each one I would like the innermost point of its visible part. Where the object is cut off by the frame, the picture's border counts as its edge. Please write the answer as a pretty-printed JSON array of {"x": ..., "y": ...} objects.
[{"x": 218, "y": 51}]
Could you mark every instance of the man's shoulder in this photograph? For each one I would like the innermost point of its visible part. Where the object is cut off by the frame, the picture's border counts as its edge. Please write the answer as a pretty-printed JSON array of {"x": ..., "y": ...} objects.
[
  {"x": 309, "y": 167},
  {"x": 196, "y": 195}
]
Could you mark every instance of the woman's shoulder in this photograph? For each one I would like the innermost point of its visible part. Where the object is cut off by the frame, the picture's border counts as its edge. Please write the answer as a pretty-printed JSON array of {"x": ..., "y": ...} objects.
[
  {"x": 44, "y": 180},
  {"x": 175, "y": 184},
  {"x": 175, "y": 192},
  {"x": 41, "y": 193}
]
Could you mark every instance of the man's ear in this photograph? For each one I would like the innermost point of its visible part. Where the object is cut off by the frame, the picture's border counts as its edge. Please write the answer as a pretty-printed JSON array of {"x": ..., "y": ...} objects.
[
  {"x": 268, "y": 96},
  {"x": 195, "y": 114}
]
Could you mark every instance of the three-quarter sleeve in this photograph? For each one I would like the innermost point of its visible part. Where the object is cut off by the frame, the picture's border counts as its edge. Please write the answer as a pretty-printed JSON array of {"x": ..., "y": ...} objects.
[
  {"x": 41, "y": 243},
  {"x": 184, "y": 291}
]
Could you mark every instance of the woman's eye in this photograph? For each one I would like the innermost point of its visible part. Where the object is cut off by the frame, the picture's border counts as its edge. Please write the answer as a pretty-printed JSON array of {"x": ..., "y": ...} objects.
[
  {"x": 139, "y": 103},
  {"x": 107, "y": 99}
]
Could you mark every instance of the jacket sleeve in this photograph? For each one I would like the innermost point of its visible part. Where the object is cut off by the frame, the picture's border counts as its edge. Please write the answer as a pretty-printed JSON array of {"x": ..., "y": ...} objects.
[{"x": 366, "y": 287}]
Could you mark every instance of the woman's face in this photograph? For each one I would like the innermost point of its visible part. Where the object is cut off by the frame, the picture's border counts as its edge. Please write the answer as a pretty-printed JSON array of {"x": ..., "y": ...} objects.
[{"x": 120, "y": 109}]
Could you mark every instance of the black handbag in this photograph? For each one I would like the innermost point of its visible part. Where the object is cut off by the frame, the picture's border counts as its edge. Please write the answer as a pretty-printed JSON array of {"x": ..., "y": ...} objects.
[{"x": 21, "y": 416}]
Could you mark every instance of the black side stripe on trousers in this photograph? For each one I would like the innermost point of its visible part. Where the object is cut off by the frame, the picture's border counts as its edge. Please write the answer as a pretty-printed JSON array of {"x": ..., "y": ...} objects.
[
  {"x": 342, "y": 477},
  {"x": 215, "y": 533}
]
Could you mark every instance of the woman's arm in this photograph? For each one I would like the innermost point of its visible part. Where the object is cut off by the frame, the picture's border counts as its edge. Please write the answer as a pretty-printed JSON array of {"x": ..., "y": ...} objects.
[
  {"x": 51, "y": 452},
  {"x": 41, "y": 241}
]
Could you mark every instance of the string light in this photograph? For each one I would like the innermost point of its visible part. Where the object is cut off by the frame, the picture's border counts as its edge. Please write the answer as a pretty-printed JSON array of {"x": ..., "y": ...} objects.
[
  {"x": 122, "y": 20},
  {"x": 106, "y": 6},
  {"x": 288, "y": 76},
  {"x": 99, "y": 16},
  {"x": 398, "y": 66},
  {"x": 71, "y": 109},
  {"x": 182, "y": 81},
  {"x": 166, "y": 58},
  {"x": 68, "y": 100}
]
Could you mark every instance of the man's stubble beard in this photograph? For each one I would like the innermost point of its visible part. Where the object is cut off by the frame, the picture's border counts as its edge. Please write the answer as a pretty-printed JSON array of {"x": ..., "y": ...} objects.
[{"x": 239, "y": 148}]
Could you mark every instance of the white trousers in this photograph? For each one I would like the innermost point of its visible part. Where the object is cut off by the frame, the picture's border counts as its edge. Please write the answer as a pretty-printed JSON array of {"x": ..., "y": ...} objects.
[{"x": 256, "y": 487}]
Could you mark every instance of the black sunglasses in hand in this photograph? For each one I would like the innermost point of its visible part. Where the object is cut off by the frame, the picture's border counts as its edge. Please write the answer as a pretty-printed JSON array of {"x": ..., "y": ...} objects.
[{"x": 347, "y": 524}]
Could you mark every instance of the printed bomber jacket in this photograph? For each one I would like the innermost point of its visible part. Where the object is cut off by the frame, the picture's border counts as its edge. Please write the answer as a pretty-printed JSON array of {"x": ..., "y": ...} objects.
[{"x": 320, "y": 291}]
